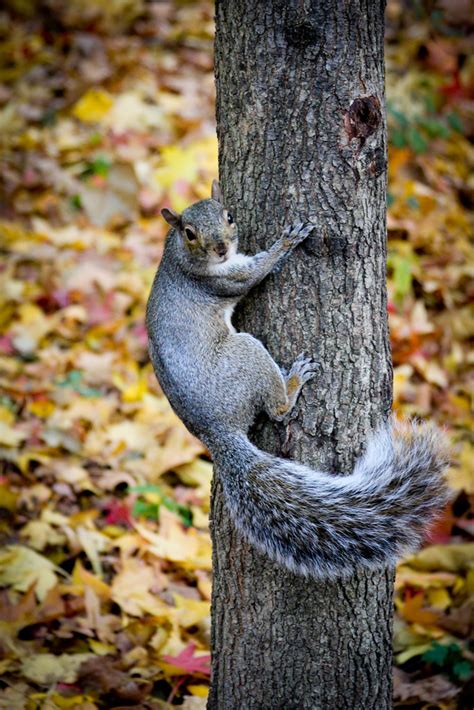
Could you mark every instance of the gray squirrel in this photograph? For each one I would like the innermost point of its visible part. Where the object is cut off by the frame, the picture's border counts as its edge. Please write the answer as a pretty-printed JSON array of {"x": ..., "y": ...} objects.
[{"x": 217, "y": 380}]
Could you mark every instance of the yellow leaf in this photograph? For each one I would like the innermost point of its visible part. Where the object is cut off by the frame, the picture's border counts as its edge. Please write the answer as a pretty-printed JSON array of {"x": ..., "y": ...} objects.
[
  {"x": 135, "y": 392},
  {"x": 439, "y": 598},
  {"x": 134, "y": 435},
  {"x": 131, "y": 590},
  {"x": 424, "y": 580},
  {"x": 101, "y": 649},
  {"x": 191, "y": 548},
  {"x": 470, "y": 581},
  {"x": 47, "y": 669},
  {"x": 181, "y": 166},
  {"x": 10, "y": 436},
  {"x": 93, "y": 106},
  {"x": 6, "y": 415},
  {"x": 430, "y": 370},
  {"x": 5, "y": 665},
  {"x": 21, "y": 567},
  {"x": 176, "y": 163},
  {"x": 38, "y": 534},
  {"x": 23, "y": 460},
  {"x": 41, "y": 408},
  {"x": 83, "y": 578},
  {"x": 132, "y": 112},
  {"x": 201, "y": 691},
  {"x": 411, "y": 652},
  {"x": 8, "y": 498},
  {"x": 199, "y": 474},
  {"x": 204, "y": 584},
  {"x": 191, "y": 611},
  {"x": 93, "y": 543},
  {"x": 452, "y": 558},
  {"x": 55, "y": 701},
  {"x": 462, "y": 478},
  {"x": 200, "y": 518}
]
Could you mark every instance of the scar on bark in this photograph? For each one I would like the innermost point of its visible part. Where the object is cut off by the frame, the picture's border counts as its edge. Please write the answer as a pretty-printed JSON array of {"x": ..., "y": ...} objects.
[
  {"x": 363, "y": 117},
  {"x": 361, "y": 121},
  {"x": 376, "y": 162}
]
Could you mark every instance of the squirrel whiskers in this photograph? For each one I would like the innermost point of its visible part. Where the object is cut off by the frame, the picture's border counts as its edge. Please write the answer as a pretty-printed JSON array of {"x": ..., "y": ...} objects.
[{"x": 217, "y": 380}]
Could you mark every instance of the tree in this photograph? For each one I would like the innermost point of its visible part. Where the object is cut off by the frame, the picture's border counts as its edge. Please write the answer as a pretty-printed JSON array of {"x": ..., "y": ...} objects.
[{"x": 301, "y": 130}]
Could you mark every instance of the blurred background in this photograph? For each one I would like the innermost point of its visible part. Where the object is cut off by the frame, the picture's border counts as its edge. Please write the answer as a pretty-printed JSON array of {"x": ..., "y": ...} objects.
[{"x": 106, "y": 115}]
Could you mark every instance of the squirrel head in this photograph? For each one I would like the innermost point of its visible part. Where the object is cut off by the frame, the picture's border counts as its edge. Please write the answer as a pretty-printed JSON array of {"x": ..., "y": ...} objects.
[{"x": 206, "y": 229}]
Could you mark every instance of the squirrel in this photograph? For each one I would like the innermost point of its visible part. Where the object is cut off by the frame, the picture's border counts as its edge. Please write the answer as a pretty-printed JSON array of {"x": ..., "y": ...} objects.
[{"x": 216, "y": 379}]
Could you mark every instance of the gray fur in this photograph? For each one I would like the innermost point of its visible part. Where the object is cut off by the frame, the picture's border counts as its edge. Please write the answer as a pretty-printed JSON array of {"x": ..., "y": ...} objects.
[{"x": 217, "y": 380}]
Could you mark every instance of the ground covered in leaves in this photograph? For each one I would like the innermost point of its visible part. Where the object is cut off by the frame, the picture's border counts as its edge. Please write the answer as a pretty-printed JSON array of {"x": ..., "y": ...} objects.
[{"x": 106, "y": 114}]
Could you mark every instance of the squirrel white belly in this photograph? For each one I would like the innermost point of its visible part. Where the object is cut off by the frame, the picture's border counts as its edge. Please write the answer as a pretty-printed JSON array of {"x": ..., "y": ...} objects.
[{"x": 216, "y": 379}]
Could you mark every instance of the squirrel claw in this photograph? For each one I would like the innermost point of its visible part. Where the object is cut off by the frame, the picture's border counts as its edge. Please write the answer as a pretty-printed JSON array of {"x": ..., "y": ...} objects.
[
  {"x": 297, "y": 233},
  {"x": 304, "y": 368}
]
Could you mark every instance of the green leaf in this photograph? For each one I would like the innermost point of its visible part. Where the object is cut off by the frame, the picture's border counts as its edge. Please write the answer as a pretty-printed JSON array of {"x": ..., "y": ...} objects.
[
  {"x": 462, "y": 669},
  {"x": 416, "y": 141},
  {"x": 413, "y": 203},
  {"x": 398, "y": 116},
  {"x": 76, "y": 202},
  {"x": 454, "y": 121},
  {"x": 402, "y": 277},
  {"x": 73, "y": 379},
  {"x": 143, "y": 506},
  {"x": 142, "y": 509},
  {"x": 430, "y": 103},
  {"x": 398, "y": 138},
  {"x": 434, "y": 127},
  {"x": 100, "y": 165},
  {"x": 88, "y": 391},
  {"x": 95, "y": 139},
  {"x": 183, "y": 512},
  {"x": 7, "y": 402},
  {"x": 146, "y": 488},
  {"x": 437, "y": 654}
]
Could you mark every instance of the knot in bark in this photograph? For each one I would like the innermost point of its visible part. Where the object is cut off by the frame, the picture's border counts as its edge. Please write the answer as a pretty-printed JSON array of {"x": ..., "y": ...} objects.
[{"x": 363, "y": 118}]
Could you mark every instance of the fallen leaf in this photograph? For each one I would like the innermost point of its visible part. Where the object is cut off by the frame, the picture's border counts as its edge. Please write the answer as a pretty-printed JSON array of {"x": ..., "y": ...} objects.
[
  {"x": 48, "y": 669},
  {"x": 187, "y": 662},
  {"x": 21, "y": 568}
]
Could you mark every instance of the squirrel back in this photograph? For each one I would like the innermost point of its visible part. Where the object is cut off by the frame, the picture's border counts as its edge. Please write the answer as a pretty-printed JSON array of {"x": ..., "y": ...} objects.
[{"x": 216, "y": 379}]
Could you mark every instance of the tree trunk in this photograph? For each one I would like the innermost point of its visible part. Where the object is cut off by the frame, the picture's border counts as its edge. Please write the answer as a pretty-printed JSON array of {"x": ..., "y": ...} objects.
[{"x": 300, "y": 93}]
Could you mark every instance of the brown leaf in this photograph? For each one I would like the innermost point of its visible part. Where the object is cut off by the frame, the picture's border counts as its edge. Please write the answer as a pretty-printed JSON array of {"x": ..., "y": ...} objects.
[
  {"x": 432, "y": 690},
  {"x": 104, "y": 675}
]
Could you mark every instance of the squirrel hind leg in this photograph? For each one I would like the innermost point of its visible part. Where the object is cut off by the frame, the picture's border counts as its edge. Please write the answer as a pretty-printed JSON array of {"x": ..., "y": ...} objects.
[{"x": 303, "y": 369}]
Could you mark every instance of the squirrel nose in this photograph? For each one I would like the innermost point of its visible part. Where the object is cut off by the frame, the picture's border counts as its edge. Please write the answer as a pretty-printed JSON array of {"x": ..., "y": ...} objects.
[{"x": 220, "y": 249}]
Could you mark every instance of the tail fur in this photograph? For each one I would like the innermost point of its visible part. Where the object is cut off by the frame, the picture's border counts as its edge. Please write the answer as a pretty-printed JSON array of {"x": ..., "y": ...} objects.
[{"x": 324, "y": 525}]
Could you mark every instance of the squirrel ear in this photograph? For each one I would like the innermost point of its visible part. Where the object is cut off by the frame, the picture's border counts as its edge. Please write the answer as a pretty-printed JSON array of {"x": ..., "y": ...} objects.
[
  {"x": 216, "y": 193},
  {"x": 172, "y": 217}
]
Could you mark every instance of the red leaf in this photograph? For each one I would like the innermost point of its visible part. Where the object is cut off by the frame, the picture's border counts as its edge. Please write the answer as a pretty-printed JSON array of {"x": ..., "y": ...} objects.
[
  {"x": 118, "y": 513},
  {"x": 188, "y": 662}
]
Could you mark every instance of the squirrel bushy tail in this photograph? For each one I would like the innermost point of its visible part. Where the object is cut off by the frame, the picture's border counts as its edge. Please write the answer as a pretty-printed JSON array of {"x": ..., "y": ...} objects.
[{"x": 325, "y": 525}]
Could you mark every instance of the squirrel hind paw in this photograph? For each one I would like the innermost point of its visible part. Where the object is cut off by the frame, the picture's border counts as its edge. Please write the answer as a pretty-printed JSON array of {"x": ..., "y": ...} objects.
[{"x": 304, "y": 368}]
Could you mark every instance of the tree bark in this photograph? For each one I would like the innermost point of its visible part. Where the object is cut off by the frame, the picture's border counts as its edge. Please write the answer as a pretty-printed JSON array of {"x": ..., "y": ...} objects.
[{"x": 300, "y": 96}]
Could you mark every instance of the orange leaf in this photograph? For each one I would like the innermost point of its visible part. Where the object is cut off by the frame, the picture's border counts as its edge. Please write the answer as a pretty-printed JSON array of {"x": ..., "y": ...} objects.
[{"x": 412, "y": 611}]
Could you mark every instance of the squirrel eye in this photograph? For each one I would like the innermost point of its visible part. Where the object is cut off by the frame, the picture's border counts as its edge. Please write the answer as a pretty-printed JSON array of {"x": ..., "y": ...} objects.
[
  {"x": 190, "y": 234},
  {"x": 230, "y": 219}
]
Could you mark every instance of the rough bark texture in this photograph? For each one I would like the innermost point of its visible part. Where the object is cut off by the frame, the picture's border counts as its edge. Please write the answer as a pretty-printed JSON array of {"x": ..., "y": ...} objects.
[{"x": 300, "y": 95}]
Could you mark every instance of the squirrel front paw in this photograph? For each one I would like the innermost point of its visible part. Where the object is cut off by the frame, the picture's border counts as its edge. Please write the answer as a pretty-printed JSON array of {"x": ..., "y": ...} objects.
[{"x": 296, "y": 233}]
